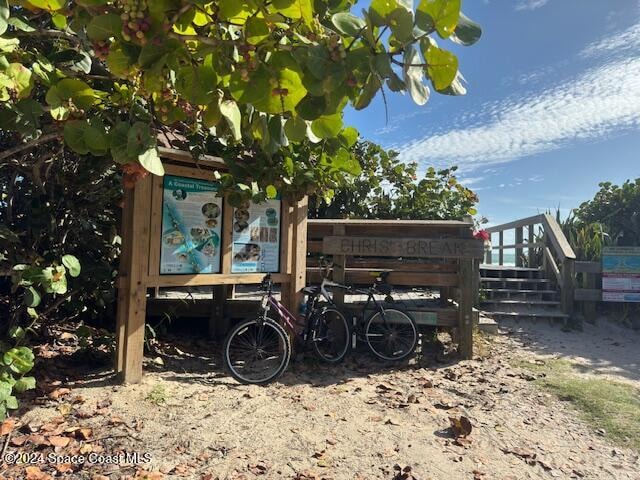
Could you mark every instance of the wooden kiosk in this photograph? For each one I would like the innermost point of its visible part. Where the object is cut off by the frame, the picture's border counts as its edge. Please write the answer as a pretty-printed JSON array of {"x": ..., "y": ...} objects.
[
  {"x": 180, "y": 215},
  {"x": 144, "y": 237}
]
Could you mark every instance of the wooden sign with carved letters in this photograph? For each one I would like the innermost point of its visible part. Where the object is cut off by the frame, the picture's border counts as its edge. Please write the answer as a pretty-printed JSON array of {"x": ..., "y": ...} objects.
[{"x": 403, "y": 247}]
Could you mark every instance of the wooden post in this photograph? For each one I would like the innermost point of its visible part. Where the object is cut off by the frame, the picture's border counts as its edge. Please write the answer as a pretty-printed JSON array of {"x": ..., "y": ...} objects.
[
  {"x": 218, "y": 323},
  {"x": 489, "y": 253},
  {"x": 286, "y": 250},
  {"x": 501, "y": 251},
  {"x": 568, "y": 285},
  {"x": 124, "y": 274},
  {"x": 476, "y": 282},
  {"x": 519, "y": 239},
  {"x": 339, "y": 268},
  {"x": 589, "y": 308},
  {"x": 466, "y": 274},
  {"x": 133, "y": 301},
  {"x": 299, "y": 254},
  {"x": 545, "y": 266},
  {"x": 531, "y": 251}
]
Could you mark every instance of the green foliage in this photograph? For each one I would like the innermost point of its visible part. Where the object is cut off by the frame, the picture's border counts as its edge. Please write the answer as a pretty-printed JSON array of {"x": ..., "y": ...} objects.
[
  {"x": 269, "y": 78},
  {"x": 586, "y": 239},
  {"x": 15, "y": 363},
  {"x": 617, "y": 209},
  {"x": 48, "y": 278},
  {"x": 58, "y": 210},
  {"x": 387, "y": 188},
  {"x": 611, "y": 218}
]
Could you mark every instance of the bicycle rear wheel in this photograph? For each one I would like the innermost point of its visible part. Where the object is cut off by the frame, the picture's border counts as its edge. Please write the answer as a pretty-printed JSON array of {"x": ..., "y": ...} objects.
[
  {"x": 392, "y": 336},
  {"x": 331, "y": 335},
  {"x": 257, "y": 351}
]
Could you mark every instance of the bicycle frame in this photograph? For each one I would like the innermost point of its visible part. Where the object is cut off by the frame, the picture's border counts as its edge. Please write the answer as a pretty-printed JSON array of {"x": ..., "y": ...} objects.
[
  {"x": 269, "y": 302},
  {"x": 285, "y": 315},
  {"x": 369, "y": 293}
]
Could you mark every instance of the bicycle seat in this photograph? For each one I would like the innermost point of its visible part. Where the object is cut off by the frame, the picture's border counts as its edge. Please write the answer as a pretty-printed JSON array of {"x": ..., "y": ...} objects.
[{"x": 315, "y": 290}]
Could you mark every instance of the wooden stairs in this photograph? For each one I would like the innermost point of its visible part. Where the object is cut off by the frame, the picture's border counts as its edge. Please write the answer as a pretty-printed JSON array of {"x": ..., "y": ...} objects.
[{"x": 519, "y": 293}]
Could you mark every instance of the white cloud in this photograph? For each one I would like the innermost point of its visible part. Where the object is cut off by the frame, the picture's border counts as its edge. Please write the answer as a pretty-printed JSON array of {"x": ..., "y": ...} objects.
[
  {"x": 531, "y": 4},
  {"x": 603, "y": 100},
  {"x": 467, "y": 181},
  {"x": 627, "y": 40}
]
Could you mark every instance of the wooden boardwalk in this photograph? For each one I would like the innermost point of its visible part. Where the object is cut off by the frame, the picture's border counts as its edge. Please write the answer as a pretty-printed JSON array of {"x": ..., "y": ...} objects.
[{"x": 197, "y": 302}]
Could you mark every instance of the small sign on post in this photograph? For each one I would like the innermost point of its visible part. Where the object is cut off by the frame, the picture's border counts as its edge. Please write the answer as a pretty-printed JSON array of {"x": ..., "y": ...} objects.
[{"x": 621, "y": 274}]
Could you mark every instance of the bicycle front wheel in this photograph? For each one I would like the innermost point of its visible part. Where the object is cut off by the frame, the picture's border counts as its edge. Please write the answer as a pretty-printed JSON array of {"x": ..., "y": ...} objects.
[
  {"x": 330, "y": 336},
  {"x": 257, "y": 351},
  {"x": 391, "y": 335}
]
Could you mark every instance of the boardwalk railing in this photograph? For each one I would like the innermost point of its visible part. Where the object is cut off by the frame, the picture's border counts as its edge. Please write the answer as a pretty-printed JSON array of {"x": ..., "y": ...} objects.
[{"x": 546, "y": 247}]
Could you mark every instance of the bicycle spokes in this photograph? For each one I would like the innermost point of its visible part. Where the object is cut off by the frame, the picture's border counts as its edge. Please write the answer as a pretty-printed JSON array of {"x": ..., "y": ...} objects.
[
  {"x": 257, "y": 351},
  {"x": 391, "y": 335}
]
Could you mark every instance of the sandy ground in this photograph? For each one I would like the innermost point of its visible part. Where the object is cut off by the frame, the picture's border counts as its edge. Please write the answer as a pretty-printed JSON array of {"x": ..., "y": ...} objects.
[{"x": 357, "y": 420}]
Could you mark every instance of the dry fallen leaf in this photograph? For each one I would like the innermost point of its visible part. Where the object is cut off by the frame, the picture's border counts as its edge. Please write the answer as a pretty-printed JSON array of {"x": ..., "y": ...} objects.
[
  {"x": 63, "y": 467},
  {"x": 402, "y": 473},
  {"x": 259, "y": 468},
  {"x": 57, "y": 441},
  {"x": 59, "y": 392},
  {"x": 145, "y": 475},
  {"x": 461, "y": 426},
  {"x": 84, "y": 433},
  {"x": 19, "y": 440},
  {"x": 34, "y": 473},
  {"x": 37, "y": 439},
  {"x": 7, "y": 426}
]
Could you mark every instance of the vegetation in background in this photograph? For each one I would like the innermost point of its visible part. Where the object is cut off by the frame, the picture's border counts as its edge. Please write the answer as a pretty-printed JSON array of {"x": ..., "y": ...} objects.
[
  {"x": 54, "y": 210},
  {"x": 389, "y": 189},
  {"x": 617, "y": 209},
  {"x": 612, "y": 217},
  {"x": 66, "y": 205},
  {"x": 605, "y": 404},
  {"x": 586, "y": 239}
]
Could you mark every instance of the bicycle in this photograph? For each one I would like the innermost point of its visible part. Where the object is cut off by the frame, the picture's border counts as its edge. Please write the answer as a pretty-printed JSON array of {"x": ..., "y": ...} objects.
[
  {"x": 390, "y": 334},
  {"x": 258, "y": 350}
]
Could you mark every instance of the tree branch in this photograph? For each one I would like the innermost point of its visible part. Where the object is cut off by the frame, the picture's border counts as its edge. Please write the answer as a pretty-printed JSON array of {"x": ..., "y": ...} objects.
[
  {"x": 59, "y": 301},
  {"x": 50, "y": 34},
  {"x": 197, "y": 38},
  {"x": 26, "y": 146}
]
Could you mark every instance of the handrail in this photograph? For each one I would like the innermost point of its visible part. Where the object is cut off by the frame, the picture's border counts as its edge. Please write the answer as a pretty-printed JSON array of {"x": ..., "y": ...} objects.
[
  {"x": 560, "y": 242},
  {"x": 558, "y": 258},
  {"x": 515, "y": 224},
  {"x": 554, "y": 266}
]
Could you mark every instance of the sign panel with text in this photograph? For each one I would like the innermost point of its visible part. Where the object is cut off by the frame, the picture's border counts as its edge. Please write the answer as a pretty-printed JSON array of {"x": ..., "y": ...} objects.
[{"x": 621, "y": 274}]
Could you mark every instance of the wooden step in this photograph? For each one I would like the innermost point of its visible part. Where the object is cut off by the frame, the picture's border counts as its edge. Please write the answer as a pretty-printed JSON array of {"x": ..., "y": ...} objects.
[
  {"x": 549, "y": 314},
  {"x": 516, "y": 291},
  {"x": 509, "y": 268},
  {"x": 487, "y": 325},
  {"x": 521, "y": 280},
  {"x": 510, "y": 301}
]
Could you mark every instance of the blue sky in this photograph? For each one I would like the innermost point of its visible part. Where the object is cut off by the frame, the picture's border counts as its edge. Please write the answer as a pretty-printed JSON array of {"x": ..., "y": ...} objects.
[{"x": 552, "y": 109}]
